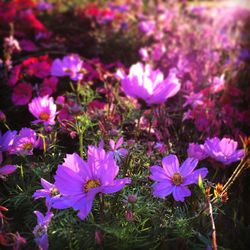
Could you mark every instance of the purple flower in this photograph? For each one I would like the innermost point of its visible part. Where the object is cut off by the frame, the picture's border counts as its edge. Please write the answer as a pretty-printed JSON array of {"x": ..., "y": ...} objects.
[
  {"x": 51, "y": 195},
  {"x": 223, "y": 150},
  {"x": 174, "y": 179},
  {"x": 117, "y": 151},
  {"x": 79, "y": 181},
  {"x": 6, "y": 140},
  {"x": 149, "y": 85},
  {"x": 197, "y": 151},
  {"x": 69, "y": 66},
  {"x": 44, "y": 109},
  {"x": 6, "y": 170},
  {"x": 40, "y": 231},
  {"x": 25, "y": 142}
]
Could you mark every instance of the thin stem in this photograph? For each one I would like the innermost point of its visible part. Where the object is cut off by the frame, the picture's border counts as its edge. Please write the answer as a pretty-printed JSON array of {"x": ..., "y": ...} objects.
[
  {"x": 81, "y": 144},
  {"x": 236, "y": 172},
  {"x": 233, "y": 178},
  {"x": 101, "y": 204},
  {"x": 214, "y": 242}
]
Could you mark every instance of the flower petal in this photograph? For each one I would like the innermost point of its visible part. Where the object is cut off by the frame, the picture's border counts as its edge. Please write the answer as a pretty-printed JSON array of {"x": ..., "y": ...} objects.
[
  {"x": 193, "y": 178},
  {"x": 158, "y": 174},
  {"x": 170, "y": 164},
  {"x": 188, "y": 166},
  {"x": 162, "y": 189},
  {"x": 78, "y": 165},
  {"x": 180, "y": 192},
  {"x": 68, "y": 182},
  {"x": 116, "y": 186}
]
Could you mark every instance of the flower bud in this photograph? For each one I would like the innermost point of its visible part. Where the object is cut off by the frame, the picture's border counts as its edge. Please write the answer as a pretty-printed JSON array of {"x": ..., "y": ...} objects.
[
  {"x": 129, "y": 215},
  {"x": 98, "y": 237},
  {"x": 2, "y": 116},
  {"x": 132, "y": 198}
]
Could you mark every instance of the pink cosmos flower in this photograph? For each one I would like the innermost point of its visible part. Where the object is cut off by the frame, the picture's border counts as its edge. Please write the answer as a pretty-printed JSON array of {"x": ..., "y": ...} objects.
[
  {"x": 22, "y": 94},
  {"x": 69, "y": 66},
  {"x": 224, "y": 150},
  {"x": 40, "y": 231},
  {"x": 197, "y": 151},
  {"x": 79, "y": 181},
  {"x": 174, "y": 179},
  {"x": 44, "y": 109},
  {"x": 25, "y": 142},
  {"x": 149, "y": 85}
]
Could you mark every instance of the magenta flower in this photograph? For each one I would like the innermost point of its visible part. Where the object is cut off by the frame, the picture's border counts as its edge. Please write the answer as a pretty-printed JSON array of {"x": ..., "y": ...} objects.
[
  {"x": 149, "y": 85},
  {"x": 39, "y": 69},
  {"x": 25, "y": 142},
  {"x": 22, "y": 94},
  {"x": 223, "y": 150},
  {"x": 40, "y": 231},
  {"x": 116, "y": 149},
  {"x": 197, "y": 151},
  {"x": 174, "y": 179},
  {"x": 44, "y": 109},
  {"x": 69, "y": 66},
  {"x": 14, "y": 76},
  {"x": 51, "y": 195},
  {"x": 79, "y": 181},
  {"x": 49, "y": 86}
]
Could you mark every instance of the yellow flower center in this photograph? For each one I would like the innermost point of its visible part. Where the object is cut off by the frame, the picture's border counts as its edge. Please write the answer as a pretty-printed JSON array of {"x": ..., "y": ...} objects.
[
  {"x": 44, "y": 116},
  {"x": 177, "y": 179},
  {"x": 27, "y": 146},
  {"x": 54, "y": 191},
  {"x": 92, "y": 183}
]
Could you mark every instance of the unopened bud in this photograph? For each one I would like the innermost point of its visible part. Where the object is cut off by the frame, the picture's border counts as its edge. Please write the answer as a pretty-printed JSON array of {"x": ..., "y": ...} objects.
[
  {"x": 132, "y": 198},
  {"x": 129, "y": 215},
  {"x": 98, "y": 237},
  {"x": 2, "y": 116}
]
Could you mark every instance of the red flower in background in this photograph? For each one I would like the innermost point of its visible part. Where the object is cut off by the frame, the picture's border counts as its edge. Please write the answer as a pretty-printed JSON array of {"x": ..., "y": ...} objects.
[{"x": 22, "y": 94}]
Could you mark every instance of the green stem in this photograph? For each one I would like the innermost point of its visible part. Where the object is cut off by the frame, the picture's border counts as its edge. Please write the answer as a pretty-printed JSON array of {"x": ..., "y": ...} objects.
[{"x": 81, "y": 144}]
